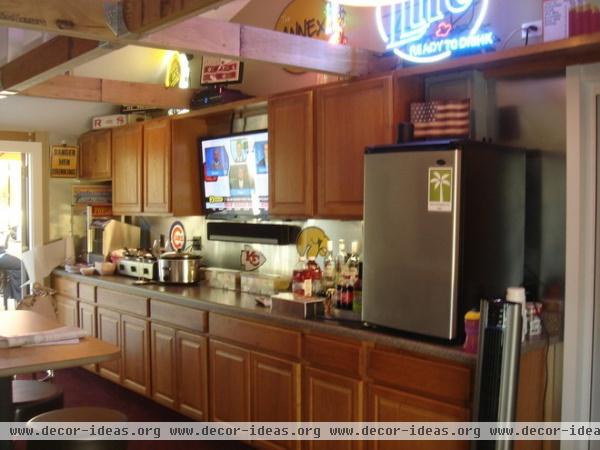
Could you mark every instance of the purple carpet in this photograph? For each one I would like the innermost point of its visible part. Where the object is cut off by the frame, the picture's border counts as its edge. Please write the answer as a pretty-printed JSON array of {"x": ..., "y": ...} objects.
[{"x": 83, "y": 388}]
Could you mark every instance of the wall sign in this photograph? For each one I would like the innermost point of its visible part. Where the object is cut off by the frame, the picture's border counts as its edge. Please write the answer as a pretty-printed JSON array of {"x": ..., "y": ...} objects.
[
  {"x": 251, "y": 259},
  {"x": 440, "y": 189},
  {"x": 63, "y": 161},
  {"x": 177, "y": 236},
  {"x": 217, "y": 70},
  {"x": 178, "y": 71},
  {"x": 425, "y": 31}
]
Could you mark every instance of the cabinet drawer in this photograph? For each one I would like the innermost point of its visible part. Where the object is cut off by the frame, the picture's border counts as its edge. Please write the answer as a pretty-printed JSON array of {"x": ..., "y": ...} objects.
[
  {"x": 192, "y": 319},
  {"x": 333, "y": 354},
  {"x": 436, "y": 379},
  {"x": 124, "y": 302},
  {"x": 65, "y": 286},
  {"x": 264, "y": 337},
  {"x": 87, "y": 292}
]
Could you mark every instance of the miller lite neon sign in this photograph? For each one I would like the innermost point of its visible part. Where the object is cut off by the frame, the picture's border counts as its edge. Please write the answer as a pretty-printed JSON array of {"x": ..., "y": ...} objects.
[{"x": 425, "y": 31}]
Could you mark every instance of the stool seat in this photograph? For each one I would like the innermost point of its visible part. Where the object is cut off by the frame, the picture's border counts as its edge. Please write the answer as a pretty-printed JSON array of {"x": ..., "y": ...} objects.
[
  {"x": 31, "y": 398},
  {"x": 80, "y": 414}
]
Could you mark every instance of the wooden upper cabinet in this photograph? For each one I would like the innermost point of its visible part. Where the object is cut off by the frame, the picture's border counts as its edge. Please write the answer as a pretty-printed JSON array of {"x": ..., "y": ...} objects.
[
  {"x": 95, "y": 155},
  {"x": 350, "y": 117},
  {"x": 157, "y": 166},
  {"x": 127, "y": 169},
  {"x": 291, "y": 155}
]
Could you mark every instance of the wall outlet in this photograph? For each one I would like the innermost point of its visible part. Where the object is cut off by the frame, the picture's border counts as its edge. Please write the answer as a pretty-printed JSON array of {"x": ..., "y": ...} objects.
[{"x": 538, "y": 32}]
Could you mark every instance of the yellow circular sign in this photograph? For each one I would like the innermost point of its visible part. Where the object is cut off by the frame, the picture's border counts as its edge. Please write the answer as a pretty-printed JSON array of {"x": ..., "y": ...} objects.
[{"x": 306, "y": 18}]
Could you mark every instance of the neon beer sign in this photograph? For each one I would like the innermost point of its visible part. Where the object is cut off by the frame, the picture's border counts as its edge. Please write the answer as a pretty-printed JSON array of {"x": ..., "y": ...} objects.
[{"x": 424, "y": 31}]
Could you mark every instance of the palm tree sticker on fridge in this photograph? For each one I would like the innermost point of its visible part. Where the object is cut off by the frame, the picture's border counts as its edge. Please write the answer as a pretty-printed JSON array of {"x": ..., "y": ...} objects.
[{"x": 440, "y": 189}]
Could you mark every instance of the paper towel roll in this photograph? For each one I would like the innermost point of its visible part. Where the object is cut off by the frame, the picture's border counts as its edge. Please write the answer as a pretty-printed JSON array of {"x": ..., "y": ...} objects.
[
  {"x": 69, "y": 250},
  {"x": 41, "y": 261}
]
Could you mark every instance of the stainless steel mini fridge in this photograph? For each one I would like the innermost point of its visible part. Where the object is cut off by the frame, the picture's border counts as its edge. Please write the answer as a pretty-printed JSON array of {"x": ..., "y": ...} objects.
[{"x": 444, "y": 227}]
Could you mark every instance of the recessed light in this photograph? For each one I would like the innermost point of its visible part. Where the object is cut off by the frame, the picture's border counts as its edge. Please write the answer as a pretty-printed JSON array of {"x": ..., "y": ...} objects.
[
  {"x": 5, "y": 93},
  {"x": 2, "y": 96}
]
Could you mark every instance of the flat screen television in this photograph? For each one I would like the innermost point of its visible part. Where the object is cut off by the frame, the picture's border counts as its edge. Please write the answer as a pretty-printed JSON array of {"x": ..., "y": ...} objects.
[{"x": 235, "y": 173}]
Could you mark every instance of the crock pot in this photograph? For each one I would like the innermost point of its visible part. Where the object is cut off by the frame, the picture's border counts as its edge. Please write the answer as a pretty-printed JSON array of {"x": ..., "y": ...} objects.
[{"x": 179, "y": 268}]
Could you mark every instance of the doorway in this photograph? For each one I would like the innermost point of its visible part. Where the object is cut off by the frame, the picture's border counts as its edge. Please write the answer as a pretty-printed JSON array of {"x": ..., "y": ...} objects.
[{"x": 21, "y": 221}]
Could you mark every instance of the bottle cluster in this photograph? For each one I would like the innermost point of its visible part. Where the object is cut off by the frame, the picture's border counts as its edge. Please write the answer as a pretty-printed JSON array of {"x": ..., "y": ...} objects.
[{"x": 341, "y": 273}]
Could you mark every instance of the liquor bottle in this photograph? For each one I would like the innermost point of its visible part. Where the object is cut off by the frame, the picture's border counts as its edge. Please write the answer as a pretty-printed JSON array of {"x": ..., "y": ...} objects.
[
  {"x": 353, "y": 262},
  {"x": 329, "y": 268},
  {"x": 340, "y": 264},
  {"x": 315, "y": 275},
  {"x": 298, "y": 276},
  {"x": 347, "y": 293},
  {"x": 357, "y": 302}
]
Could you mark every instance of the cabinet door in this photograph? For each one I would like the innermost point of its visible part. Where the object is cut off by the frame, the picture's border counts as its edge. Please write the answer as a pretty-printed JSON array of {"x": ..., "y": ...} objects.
[
  {"x": 109, "y": 330},
  {"x": 390, "y": 405},
  {"x": 86, "y": 155},
  {"x": 127, "y": 169},
  {"x": 350, "y": 117},
  {"x": 275, "y": 394},
  {"x": 328, "y": 397},
  {"x": 162, "y": 345},
  {"x": 230, "y": 383},
  {"x": 87, "y": 322},
  {"x": 291, "y": 155},
  {"x": 135, "y": 354},
  {"x": 157, "y": 166},
  {"x": 192, "y": 375},
  {"x": 102, "y": 156},
  {"x": 66, "y": 311}
]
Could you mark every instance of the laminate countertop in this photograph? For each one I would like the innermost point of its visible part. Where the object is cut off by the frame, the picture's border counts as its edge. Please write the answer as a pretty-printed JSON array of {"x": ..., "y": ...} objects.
[{"x": 243, "y": 305}]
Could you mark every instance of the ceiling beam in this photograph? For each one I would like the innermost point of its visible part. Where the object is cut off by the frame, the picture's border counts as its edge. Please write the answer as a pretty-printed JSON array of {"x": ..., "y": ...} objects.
[
  {"x": 84, "y": 18},
  {"x": 68, "y": 87},
  {"x": 233, "y": 40},
  {"x": 52, "y": 58},
  {"x": 103, "y": 20},
  {"x": 150, "y": 23}
]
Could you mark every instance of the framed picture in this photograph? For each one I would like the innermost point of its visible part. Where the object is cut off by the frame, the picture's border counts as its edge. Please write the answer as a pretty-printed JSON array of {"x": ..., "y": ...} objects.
[{"x": 217, "y": 70}]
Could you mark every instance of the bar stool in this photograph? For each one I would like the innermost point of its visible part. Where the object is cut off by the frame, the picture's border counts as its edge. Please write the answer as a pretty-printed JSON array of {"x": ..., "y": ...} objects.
[
  {"x": 80, "y": 414},
  {"x": 31, "y": 398}
]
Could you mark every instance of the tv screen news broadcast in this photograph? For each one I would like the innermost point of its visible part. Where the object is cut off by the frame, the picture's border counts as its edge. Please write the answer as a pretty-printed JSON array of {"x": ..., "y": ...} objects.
[{"x": 235, "y": 171}]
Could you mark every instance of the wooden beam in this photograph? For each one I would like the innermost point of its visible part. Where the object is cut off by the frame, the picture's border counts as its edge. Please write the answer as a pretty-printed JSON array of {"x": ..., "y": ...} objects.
[
  {"x": 48, "y": 60},
  {"x": 89, "y": 89},
  {"x": 103, "y": 20},
  {"x": 213, "y": 37},
  {"x": 79, "y": 18},
  {"x": 150, "y": 23}
]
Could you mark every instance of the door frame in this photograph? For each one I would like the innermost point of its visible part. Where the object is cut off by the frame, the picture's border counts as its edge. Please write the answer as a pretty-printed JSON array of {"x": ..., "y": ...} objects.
[
  {"x": 583, "y": 89},
  {"x": 36, "y": 186}
]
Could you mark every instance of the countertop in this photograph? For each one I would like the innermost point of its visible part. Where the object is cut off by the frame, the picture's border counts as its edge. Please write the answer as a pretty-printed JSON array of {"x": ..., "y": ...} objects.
[{"x": 243, "y": 305}]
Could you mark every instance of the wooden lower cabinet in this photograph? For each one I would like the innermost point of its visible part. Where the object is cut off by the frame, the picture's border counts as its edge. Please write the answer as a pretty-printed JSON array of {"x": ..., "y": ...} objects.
[
  {"x": 179, "y": 370},
  {"x": 66, "y": 311},
  {"x": 135, "y": 354},
  {"x": 191, "y": 358},
  {"x": 275, "y": 389},
  {"x": 390, "y": 405},
  {"x": 328, "y": 397},
  {"x": 87, "y": 322},
  {"x": 164, "y": 373},
  {"x": 109, "y": 330},
  {"x": 230, "y": 382}
]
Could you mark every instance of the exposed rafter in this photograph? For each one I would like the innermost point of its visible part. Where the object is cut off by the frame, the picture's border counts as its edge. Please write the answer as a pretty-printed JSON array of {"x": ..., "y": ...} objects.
[
  {"x": 52, "y": 58},
  {"x": 150, "y": 23},
  {"x": 89, "y": 89}
]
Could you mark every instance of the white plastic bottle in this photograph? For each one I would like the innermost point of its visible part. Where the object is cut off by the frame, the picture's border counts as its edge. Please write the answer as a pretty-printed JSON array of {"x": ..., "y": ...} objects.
[{"x": 517, "y": 295}]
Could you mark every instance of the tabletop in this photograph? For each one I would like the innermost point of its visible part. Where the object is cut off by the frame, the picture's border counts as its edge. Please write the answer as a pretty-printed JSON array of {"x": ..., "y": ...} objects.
[{"x": 19, "y": 360}]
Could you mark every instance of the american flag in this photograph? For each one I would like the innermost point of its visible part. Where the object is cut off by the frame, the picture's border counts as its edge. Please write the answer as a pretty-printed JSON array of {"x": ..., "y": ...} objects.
[{"x": 441, "y": 119}]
